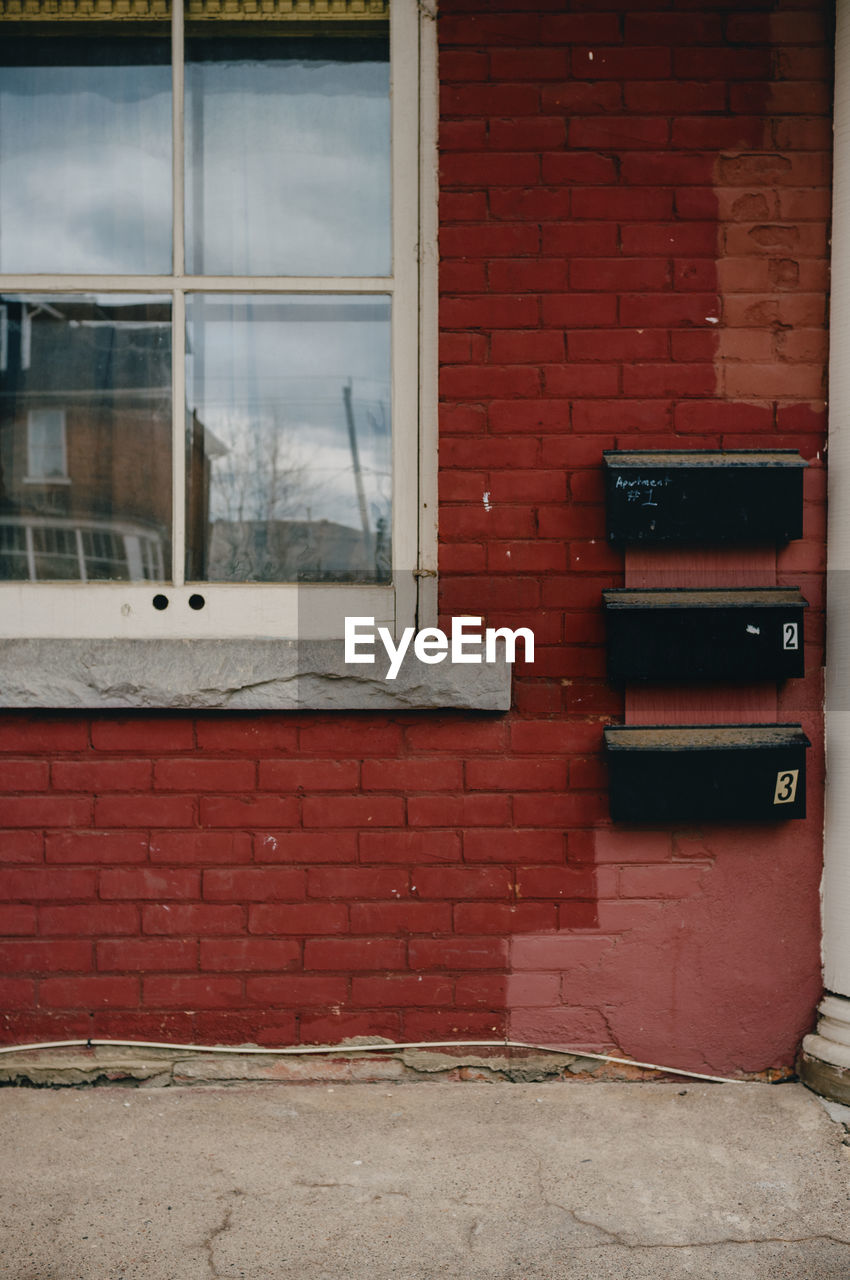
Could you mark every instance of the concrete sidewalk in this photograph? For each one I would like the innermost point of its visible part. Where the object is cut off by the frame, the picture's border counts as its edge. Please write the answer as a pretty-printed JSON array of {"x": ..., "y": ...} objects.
[{"x": 562, "y": 1181}]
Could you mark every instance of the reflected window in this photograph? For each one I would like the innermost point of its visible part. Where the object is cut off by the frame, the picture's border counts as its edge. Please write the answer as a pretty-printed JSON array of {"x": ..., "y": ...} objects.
[{"x": 85, "y": 437}]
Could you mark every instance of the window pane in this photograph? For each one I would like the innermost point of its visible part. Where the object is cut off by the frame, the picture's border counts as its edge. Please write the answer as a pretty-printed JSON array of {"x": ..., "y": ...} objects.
[
  {"x": 288, "y": 151},
  {"x": 85, "y": 438},
  {"x": 288, "y": 439},
  {"x": 85, "y": 148}
]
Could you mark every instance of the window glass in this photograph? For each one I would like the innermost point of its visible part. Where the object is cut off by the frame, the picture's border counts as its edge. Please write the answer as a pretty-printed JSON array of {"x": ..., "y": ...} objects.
[
  {"x": 85, "y": 399},
  {"x": 287, "y": 153},
  {"x": 85, "y": 149},
  {"x": 288, "y": 439}
]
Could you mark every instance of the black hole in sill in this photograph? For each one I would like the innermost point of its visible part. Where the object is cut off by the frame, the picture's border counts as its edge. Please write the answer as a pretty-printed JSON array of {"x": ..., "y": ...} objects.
[
  {"x": 160, "y": 602},
  {"x": 196, "y": 602}
]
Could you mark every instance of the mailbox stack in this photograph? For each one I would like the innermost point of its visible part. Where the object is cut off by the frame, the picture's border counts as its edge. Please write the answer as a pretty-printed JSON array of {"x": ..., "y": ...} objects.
[{"x": 737, "y": 634}]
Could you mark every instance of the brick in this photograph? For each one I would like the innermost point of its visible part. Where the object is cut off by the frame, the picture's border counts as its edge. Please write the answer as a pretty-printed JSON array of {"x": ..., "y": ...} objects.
[
  {"x": 675, "y": 97},
  {"x": 725, "y": 63},
  {"x": 569, "y": 169},
  {"x": 621, "y": 64},
  {"x": 770, "y": 381},
  {"x": 309, "y": 775},
  {"x": 412, "y": 774},
  {"x": 17, "y": 993},
  {"x": 586, "y": 239},
  {"x": 529, "y": 64},
  {"x": 200, "y": 847},
  {"x": 483, "y": 810},
  {"x": 101, "y": 775},
  {"x": 410, "y": 847},
  {"x": 298, "y": 991},
  {"x": 24, "y": 775},
  {"x": 256, "y": 734},
  {"x": 21, "y": 734},
  {"x": 353, "y": 954},
  {"x": 571, "y": 810},
  {"x": 145, "y": 955},
  {"x": 192, "y": 919},
  {"x": 355, "y": 737},
  {"x": 356, "y": 883},
  {"x": 17, "y": 920},
  {"x": 21, "y": 846},
  {"x": 576, "y": 97},
  {"x": 488, "y": 952},
  {"x": 239, "y": 955},
  {"x": 527, "y": 275},
  {"x": 672, "y": 238},
  {"x": 167, "y": 992},
  {"x": 629, "y": 415},
  {"x": 682, "y": 309},
  {"x": 537, "y": 133},
  {"x": 45, "y": 884},
  {"x": 669, "y": 380},
  {"x": 36, "y": 956},
  {"x": 669, "y": 881},
  {"x": 618, "y": 344},
  {"x": 502, "y": 918},
  {"x": 520, "y": 346},
  {"x": 305, "y": 846},
  {"x": 95, "y": 846},
  {"x": 353, "y": 811},
  {"x": 142, "y": 734},
  {"x": 142, "y": 811},
  {"x": 205, "y": 775},
  {"x": 620, "y": 132},
  {"x": 581, "y": 380},
  {"x": 481, "y": 991},
  {"x": 557, "y": 882},
  {"x": 462, "y": 882},
  {"x": 496, "y": 168},
  {"x": 516, "y": 775},
  {"x": 401, "y": 917},
  {"x": 307, "y": 918},
  {"x": 472, "y": 383},
  {"x": 512, "y": 845},
  {"x": 91, "y": 919},
  {"x": 89, "y": 993},
  {"x": 463, "y": 206},
  {"x": 719, "y": 415},
  {"x": 254, "y": 884},
  {"x": 432, "y": 1024},
  {"x": 149, "y": 882},
  {"x": 462, "y": 135},
  {"x": 249, "y": 812},
  {"x": 489, "y": 100},
  {"x": 393, "y": 991},
  {"x": 45, "y": 811},
  {"x": 533, "y": 990}
]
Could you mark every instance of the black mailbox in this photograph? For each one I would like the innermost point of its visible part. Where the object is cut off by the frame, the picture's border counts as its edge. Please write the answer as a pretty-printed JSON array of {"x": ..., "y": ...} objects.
[
  {"x": 730, "y": 634},
  {"x": 701, "y": 497},
  {"x": 707, "y": 773}
]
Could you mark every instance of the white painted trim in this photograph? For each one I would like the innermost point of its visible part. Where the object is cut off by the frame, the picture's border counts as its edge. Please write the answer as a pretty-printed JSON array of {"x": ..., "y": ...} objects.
[
  {"x": 428, "y": 323},
  {"x": 836, "y": 880}
]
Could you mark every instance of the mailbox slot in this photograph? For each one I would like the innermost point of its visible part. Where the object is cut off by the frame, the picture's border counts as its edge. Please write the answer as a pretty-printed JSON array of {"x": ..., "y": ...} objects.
[
  {"x": 707, "y": 773},
  {"x": 729, "y": 634},
  {"x": 704, "y": 498}
]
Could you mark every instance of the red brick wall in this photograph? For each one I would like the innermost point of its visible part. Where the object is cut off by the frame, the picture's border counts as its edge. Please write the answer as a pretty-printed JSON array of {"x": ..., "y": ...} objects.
[{"x": 634, "y": 204}]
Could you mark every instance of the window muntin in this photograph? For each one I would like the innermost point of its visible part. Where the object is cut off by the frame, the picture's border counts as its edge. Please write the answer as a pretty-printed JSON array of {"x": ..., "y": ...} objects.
[{"x": 308, "y": 609}]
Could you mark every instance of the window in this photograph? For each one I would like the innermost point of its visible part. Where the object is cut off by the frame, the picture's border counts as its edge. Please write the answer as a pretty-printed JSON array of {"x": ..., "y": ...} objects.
[{"x": 211, "y": 300}]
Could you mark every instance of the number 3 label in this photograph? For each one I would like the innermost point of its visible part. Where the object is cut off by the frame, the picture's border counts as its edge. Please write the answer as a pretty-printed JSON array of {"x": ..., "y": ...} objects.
[{"x": 786, "y": 786}]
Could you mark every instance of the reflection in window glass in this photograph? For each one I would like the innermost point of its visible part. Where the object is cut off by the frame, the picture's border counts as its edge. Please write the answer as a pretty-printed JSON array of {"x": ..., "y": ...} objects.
[
  {"x": 85, "y": 438},
  {"x": 85, "y": 149},
  {"x": 288, "y": 439},
  {"x": 287, "y": 154}
]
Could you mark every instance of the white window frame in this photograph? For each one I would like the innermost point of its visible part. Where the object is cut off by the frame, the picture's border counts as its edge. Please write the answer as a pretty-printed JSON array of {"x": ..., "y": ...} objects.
[{"x": 304, "y": 610}]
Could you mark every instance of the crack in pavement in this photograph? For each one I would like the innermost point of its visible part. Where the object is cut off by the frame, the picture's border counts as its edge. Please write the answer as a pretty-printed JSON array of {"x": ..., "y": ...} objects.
[{"x": 212, "y": 1236}]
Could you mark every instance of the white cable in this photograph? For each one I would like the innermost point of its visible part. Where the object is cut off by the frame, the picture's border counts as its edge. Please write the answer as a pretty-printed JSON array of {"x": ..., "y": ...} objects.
[{"x": 384, "y": 1047}]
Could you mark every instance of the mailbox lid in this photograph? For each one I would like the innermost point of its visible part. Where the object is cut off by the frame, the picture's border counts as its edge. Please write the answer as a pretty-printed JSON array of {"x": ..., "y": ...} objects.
[
  {"x": 707, "y": 773},
  {"x": 708, "y": 497},
  {"x": 739, "y": 634}
]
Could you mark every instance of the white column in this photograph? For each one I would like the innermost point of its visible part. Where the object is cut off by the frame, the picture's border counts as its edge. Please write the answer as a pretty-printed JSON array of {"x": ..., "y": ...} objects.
[{"x": 825, "y": 1061}]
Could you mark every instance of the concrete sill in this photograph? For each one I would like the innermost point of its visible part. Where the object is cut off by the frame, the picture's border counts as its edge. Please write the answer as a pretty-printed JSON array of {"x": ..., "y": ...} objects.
[{"x": 234, "y": 675}]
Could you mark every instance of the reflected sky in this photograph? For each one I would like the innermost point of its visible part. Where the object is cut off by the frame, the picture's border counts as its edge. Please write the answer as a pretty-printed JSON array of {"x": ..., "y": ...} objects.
[
  {"x": 287, "y": 153},
  {"x": 85, "y": 154},
  {"x": 266, "y": 377}
]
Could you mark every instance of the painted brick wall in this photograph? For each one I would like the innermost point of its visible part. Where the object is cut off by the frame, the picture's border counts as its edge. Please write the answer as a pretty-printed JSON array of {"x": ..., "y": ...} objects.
[{"x": 634, "y": 204}]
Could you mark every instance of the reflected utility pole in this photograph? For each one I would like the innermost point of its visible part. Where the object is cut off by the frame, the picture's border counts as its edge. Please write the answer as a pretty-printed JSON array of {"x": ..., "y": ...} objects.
[{"x": 355, "y": 457}]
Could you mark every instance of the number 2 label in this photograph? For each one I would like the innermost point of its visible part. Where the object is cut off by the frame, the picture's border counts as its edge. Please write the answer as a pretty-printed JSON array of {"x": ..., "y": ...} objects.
[
  {"x": 790, "y": 636},
  {"x": 786, "y": 786}
]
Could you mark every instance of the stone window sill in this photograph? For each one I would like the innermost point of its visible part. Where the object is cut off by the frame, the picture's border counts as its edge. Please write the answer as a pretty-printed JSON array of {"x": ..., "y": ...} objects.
[{"x": 234, "y": 675}]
